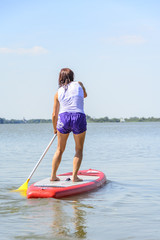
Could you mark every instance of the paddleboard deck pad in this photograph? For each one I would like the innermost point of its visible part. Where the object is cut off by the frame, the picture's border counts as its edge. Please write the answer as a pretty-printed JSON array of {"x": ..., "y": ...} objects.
[{"x": 45, "y": 188}]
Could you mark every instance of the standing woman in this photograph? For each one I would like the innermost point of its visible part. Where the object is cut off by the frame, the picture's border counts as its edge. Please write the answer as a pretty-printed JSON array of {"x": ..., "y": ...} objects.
[{"x": 68, "y": 116}]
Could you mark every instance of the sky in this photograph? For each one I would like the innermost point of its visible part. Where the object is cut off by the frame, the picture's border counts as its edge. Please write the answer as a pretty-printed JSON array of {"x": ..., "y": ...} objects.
[{"x": 113, "y": 47}]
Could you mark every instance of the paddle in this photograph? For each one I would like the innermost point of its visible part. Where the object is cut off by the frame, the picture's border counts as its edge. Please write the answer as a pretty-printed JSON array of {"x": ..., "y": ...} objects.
[{"x": 24, "y": 186}]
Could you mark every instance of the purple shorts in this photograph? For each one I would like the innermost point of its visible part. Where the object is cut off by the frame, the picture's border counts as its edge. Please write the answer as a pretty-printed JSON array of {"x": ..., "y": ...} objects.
[{"x": 71, "y": 122}]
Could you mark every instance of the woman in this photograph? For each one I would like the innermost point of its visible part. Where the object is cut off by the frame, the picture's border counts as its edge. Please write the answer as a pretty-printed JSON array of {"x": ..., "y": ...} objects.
[{"x": 68, "y": 116}]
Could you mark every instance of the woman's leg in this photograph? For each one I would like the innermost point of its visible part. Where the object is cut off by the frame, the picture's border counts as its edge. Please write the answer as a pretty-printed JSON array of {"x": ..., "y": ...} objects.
[
  {"x": 62, "y": 139},
  {"x": 79, "y": 142}
]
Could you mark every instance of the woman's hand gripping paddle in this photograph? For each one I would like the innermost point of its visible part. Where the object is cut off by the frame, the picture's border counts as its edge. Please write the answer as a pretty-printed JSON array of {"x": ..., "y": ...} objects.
[{"x": 24, "y": 186}]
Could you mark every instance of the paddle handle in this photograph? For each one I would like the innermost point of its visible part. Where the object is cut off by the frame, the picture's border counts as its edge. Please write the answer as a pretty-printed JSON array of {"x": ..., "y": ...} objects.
[{"x": 44, "y": 153}]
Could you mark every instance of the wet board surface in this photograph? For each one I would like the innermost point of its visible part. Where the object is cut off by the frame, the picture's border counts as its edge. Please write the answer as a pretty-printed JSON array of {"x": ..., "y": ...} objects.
[{"x": 63, "y": 181}]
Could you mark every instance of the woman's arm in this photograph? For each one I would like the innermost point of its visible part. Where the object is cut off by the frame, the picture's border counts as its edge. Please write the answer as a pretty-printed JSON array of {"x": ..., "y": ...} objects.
[
  {"x": 55, "y": 112},
  {"x": 84, "y": 90}
]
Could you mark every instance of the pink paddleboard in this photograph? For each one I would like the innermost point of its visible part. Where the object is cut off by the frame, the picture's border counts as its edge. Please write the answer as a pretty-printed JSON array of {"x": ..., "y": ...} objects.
[{"x": 45, "y": 188}]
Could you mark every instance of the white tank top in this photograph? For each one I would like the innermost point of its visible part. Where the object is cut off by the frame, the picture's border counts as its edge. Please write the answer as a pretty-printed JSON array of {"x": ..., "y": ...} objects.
[{"x": 71, "y": 98}]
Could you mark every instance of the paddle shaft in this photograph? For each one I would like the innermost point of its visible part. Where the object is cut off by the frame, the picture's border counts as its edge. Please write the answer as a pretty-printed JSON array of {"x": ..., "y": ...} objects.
[{"x": 44, "y": 153}]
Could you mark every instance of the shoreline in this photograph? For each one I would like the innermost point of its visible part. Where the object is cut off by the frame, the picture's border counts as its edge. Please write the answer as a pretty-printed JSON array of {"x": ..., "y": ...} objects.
[{"x": 89, "y": 120}]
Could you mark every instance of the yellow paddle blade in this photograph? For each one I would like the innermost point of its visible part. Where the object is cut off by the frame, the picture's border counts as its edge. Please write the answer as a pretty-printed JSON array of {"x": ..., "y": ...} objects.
[
  {"x": 22, "y": 193},
  {"x": 23, "y": 187}
]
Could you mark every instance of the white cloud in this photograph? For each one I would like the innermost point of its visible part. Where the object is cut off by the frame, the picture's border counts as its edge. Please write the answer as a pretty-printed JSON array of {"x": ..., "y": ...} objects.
[
  {"x": 37, "y": 50},
  {"x": 127, "y": 40}
]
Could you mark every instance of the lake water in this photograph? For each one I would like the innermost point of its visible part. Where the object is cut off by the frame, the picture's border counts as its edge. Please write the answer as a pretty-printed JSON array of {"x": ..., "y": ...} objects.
[{"x": 126, "y": 208}]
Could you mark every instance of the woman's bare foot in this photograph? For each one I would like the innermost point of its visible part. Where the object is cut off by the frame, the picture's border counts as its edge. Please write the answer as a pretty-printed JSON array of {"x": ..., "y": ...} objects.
[
  {"x": 55, "y": 179},
  {"x": 77, "y": 179}
]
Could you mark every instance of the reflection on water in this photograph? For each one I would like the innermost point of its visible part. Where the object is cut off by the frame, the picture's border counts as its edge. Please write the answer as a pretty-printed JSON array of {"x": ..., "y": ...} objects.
[
  {"x": 43, "y": 218},
  {"x": 70, "y": 223}
]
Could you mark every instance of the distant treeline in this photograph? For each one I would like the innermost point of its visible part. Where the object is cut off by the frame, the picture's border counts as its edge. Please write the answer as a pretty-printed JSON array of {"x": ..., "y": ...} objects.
[
  {"x": 132, "y": 119},
  {"x": 101, "y": 120},
  {"x": 89, "y": 119},
  {"x": 15, "y": 121}
]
